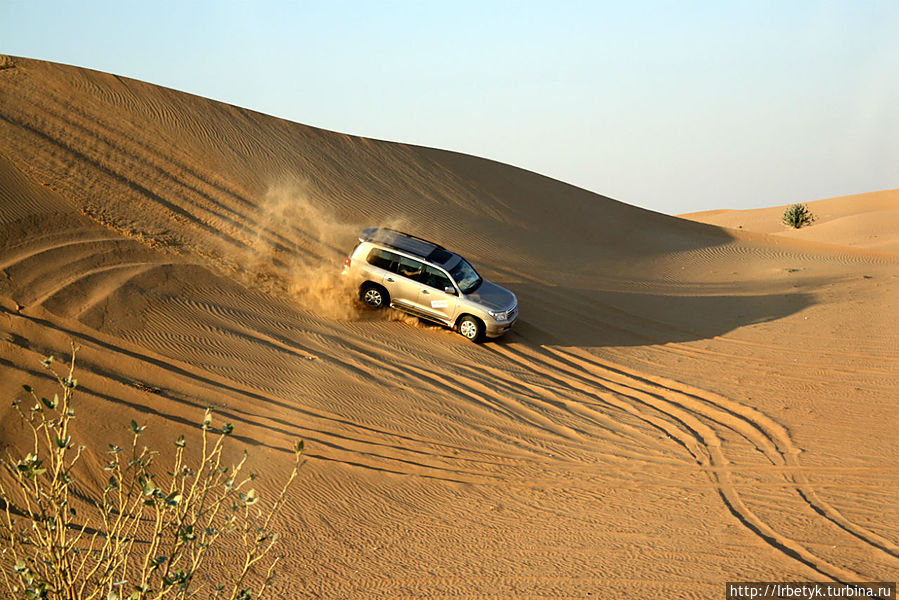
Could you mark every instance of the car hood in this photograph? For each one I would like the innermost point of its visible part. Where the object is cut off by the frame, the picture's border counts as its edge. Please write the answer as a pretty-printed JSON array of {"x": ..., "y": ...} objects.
[{"x": 492, "y": 296}]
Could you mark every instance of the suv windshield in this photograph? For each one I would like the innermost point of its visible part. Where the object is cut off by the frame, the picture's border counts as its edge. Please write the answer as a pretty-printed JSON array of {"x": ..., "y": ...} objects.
[{"x": 466, "y": 277}]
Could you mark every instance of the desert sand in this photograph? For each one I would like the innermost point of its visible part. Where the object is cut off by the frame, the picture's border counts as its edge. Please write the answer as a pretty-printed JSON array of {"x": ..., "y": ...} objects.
[
  {"x": 681, "y": 403},
  {"x": 867, "y": 221}
]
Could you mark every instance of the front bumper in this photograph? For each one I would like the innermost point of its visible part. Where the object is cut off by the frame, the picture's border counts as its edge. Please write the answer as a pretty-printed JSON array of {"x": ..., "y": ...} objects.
[{"x": 493, "y": 328}]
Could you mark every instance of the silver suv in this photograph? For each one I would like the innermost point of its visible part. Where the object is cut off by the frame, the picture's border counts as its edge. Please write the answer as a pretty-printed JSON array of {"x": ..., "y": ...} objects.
[{"x": 426, "y": 280}]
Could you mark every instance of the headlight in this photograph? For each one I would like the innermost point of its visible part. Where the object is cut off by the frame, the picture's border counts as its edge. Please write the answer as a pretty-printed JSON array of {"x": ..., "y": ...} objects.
[{"x": 499, "y": 315}]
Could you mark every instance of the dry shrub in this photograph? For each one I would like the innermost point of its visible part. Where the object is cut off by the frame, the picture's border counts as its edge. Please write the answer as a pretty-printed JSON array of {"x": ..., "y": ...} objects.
[
  {"x": 797, "y": 216},
  {"x": 148, "y": 533}
]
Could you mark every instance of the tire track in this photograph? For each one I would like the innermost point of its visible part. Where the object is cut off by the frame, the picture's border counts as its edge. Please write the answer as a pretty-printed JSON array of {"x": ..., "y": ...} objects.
[
  {"x": 12, "y": 258},
  {"x": 767, "y": 435},
  {"x": 172, "y": 209},
  {"x": 687, "y": 412},
  {"x": 343, "y": 441}
]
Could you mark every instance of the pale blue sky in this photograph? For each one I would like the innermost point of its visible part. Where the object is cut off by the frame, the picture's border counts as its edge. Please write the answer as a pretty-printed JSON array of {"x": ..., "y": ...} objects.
[{"x": 673, "y": 106}]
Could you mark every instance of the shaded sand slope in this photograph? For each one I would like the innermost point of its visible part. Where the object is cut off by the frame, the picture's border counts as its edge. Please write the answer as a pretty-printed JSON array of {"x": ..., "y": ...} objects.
[
  {"x": 862, "y": 221},
  {"x": 680, "y": 405}
]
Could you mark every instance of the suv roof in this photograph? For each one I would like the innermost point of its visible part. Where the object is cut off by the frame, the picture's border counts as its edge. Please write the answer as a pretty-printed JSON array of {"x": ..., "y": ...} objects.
[{"x": 408, "y": 243}]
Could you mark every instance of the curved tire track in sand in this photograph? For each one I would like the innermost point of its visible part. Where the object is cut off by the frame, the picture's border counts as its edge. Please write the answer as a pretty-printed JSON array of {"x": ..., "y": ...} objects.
[
  {"x": 686, "y": 409},
  {"x": 371, "y": 450},
  {"x": 768, "y": 435},
  {"x": 227, "y": 208},
  {"x": 98, "y": 264}
]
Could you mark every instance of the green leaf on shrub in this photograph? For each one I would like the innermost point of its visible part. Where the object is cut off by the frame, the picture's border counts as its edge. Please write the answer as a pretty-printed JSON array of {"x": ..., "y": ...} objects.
[
  {"x": 249, "y": 498},
  {"x": 187, "y": 533},
  {"x": 147, "y": 486},
  {"x": 30, "y": 466}
]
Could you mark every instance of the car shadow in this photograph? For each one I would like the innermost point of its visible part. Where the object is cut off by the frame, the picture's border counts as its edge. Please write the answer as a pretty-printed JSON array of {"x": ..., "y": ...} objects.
[{"x": 581, "y": 317}]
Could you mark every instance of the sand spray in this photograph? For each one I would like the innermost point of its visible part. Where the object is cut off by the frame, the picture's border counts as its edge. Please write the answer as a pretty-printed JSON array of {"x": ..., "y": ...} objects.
[{"x": 299, "y": 249}]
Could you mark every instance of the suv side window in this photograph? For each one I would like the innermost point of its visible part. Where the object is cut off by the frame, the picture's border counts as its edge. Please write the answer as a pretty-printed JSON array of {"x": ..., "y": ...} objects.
[
  {"x": 409, "y": 268},
  {"x": 390, "y": 261},
  {"x": 383, "y": 259},
  {"x": 435, "y": 278}
]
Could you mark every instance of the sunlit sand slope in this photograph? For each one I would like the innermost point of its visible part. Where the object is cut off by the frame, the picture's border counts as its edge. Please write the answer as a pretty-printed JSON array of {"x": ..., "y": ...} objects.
[
  {"x": 862, "y": 221},
  {"x": 680, "y": 404}
]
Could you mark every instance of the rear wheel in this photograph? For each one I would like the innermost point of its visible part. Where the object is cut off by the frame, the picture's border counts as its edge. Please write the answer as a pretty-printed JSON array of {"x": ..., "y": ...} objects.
[
  {"x": 373, "y": 296},
  {"x": 471, "y": 328}
]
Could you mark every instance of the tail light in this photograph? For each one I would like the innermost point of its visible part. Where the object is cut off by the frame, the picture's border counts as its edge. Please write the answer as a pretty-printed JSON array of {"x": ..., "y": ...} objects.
[{"x": 347, "y": 261}]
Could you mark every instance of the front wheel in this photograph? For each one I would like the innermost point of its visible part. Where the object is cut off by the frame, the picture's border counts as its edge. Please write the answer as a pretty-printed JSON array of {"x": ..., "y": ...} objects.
[
  {"x": 373, "y": 296},
  {"x": 471, "y": 328}
]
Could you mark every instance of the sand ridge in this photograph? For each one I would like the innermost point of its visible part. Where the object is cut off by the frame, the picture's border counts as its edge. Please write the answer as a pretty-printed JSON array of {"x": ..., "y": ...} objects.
[
  {"x": 681, "y": 404},
  {"x": 867, "y": 221}
]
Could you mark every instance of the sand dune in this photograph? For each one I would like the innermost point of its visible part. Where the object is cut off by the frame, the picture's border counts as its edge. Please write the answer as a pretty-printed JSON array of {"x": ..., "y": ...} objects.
[
  {"x": 681, "y": 404},
  {"x": 869, "y": 221}
]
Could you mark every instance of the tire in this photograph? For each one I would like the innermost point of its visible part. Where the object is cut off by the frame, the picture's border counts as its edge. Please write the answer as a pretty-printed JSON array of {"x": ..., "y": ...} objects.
[
  {"x": 471, "y": 328},
  {"x": 374, "y": 296}
]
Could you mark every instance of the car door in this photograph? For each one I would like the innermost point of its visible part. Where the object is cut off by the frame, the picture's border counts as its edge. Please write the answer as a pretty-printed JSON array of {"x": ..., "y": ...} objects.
[
  {"x": 433, "y": 298},
  {"x": 402, "y": 284}
]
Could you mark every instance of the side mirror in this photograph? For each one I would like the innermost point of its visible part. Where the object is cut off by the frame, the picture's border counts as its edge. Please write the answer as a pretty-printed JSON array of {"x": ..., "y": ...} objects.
[{"x": 450, "y": 290}]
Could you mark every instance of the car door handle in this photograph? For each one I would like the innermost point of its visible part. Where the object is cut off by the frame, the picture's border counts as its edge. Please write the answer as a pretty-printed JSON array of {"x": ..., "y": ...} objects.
[
  {"x": 425, "y": 292},
  {"x": 389, "y": 279}
]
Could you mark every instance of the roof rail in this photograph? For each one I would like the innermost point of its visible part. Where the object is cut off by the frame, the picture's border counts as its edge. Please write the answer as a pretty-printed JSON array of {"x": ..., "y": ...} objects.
[
  {"x": 406, "y": 242},
  {"x": 371, "y": 233}
]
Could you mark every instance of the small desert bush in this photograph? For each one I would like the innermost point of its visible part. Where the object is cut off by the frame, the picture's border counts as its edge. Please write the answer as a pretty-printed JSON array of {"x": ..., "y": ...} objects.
[
  {"x": 146, "y": 532},
  {"x": 797, "y": 215}
]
